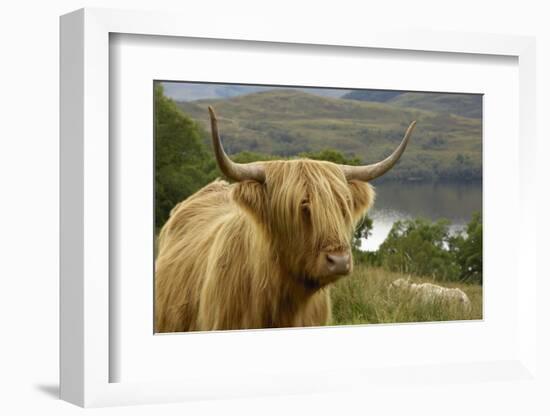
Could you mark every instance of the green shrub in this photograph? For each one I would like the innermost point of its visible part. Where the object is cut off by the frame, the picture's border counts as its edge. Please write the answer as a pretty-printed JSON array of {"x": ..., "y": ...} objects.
[
  {"x": 420, "y": 247},
  {"x": 468, "y": 251}
]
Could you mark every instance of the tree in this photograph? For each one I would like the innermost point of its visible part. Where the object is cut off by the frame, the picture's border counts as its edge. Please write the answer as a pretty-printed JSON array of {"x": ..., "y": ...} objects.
[
  {"x": 331, "y": 155},
  {"x": 182, "y": 162},
  {"x": 362, "y": 231},
  {"x": 420, "y": 247},
  {"x": 468, "y": 251}
]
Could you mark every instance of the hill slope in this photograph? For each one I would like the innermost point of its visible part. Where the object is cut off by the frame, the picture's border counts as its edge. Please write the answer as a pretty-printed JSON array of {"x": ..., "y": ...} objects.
[
  {"x": 192, "y": 91},
  {"x": 288, "y": 122},
  {"x": 380, "y": 96},
  {"x": 465, "y": 105},
  {"x": 185, "y": 91}
]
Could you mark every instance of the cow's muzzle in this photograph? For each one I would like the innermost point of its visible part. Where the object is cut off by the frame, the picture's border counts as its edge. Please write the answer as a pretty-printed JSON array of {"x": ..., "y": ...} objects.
[{"x": 337, "y": 263}]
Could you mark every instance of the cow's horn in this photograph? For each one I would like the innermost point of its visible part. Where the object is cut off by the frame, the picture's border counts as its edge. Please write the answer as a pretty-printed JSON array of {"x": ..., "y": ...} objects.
[
  {"x": 236, "y": 171},
  {"x": 370, "y": 172}
]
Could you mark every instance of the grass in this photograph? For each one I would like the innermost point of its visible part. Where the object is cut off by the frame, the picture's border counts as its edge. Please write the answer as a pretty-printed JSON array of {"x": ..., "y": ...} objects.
[{"x": 363, "y": 298}]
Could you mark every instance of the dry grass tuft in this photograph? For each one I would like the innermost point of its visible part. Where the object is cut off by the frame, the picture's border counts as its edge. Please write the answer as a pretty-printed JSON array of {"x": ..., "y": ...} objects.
[{"x": 363, "y": 298}]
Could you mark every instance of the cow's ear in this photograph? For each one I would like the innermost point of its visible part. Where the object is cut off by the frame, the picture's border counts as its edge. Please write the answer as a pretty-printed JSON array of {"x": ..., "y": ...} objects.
[
  {"x": 363, "y": 196},
  {"x": 251, "y": 196}
]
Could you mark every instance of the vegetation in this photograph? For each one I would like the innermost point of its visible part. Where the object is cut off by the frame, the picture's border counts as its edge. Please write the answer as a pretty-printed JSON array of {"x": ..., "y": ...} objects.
[
  {"x": 364, "y": 298},
  {"x": 381, "y": 96},
  {"x": 465, "y": 105},
  {"x": 423, "y": 248},
  {"x": 182, "y": 162},
  {"x": 468, "y": 251},
  {"x": 420, "y": 247},
  {"x": 287, "y": 123}
]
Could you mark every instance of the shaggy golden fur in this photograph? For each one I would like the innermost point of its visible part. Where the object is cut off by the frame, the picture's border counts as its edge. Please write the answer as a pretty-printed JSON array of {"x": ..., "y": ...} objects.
[{"x": 246, "y": 255}]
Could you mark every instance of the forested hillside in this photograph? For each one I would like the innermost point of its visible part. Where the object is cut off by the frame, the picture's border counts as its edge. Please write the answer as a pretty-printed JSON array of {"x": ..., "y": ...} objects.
[
  {"x": 465, "y": 105},
  {"x": 286, "y": 123}
]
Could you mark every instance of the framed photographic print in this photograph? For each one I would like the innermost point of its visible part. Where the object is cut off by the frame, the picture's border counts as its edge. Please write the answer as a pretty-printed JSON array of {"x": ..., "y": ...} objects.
[{"x": 272, "y": 214}]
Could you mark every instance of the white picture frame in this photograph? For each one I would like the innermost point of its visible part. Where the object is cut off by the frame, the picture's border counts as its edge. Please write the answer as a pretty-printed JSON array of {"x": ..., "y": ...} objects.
[{"x": 85, "y": 213}]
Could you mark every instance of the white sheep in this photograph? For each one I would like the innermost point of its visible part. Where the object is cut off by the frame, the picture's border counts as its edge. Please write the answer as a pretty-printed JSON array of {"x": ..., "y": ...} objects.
[{"x": 428, "y": 292}]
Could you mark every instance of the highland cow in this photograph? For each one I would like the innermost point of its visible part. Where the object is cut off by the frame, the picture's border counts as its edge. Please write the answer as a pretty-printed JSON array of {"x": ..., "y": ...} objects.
[{"x": 263, "y": 251}]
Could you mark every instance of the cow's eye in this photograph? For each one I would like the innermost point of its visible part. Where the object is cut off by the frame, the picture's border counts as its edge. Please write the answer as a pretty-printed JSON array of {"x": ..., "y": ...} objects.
[{"x": 305, "y": 206}]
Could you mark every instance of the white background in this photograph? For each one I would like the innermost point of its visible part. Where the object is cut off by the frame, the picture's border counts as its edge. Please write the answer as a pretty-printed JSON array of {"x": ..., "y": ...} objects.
[
  {"x": 29, "y": 172},
  {"x": 137, "y": 60}
]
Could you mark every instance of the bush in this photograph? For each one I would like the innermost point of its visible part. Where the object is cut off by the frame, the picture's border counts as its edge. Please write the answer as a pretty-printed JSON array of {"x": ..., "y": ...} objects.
[
  {"x": 331, "y": 155},
  {"x": 420, "y": 247},
  {"x": 468, "y": 251},
  {"x": 425, "y": 248},
  {"x": 370, "y": 258}
]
